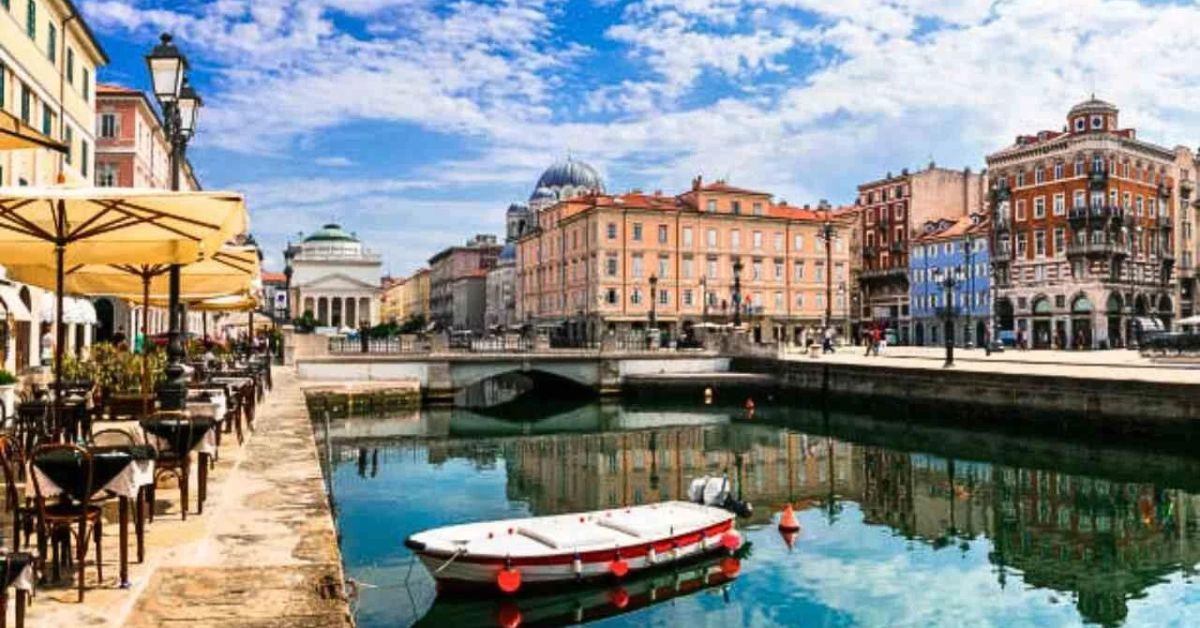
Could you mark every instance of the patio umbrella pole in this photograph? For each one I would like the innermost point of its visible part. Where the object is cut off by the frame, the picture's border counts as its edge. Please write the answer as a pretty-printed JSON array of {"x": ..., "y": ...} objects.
[
  {"x": 60, "y": 332},
  {"x": 145, "y": 343},
  {"x": 250, "y": 324}
]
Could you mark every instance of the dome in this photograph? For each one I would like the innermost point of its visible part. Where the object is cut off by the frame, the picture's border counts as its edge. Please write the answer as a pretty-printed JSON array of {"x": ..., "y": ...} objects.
[
  {"x": 569, "y": 173},
  {"x": 508, "y": 253},
  {"x": 517, "y": 208},
  {"x": 1093, "y": 105},
  {"x": 541, "y": 193},
  {"x": 330, "y": 233}
]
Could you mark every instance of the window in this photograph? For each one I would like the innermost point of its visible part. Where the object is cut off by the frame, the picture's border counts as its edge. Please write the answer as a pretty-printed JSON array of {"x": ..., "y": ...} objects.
[
  {"x": 662, "y": 234},
  {"x": 778, "y": 301},
  {"x": 1097, "y": 164},
  {"x": 26, "y": 103},
  {"x": 1060, "y": 242},
  {"x": 797, "y": 271},
  {"x": 635, "y": 296},
  {"x": 1021, "y": 245},
  {"x": 106, "y": 175},
  {"x": 1080, "y": 199},
  {"x": 610, "y": 265},
  {"x": 71, "y": 66},
  {"x": 687, "y": 297},
  {"x": 47, "y": 119},
  {"x": 736, "y": 206},
  {"x": 1020, "y": 178},
  {"x": 839, "y": 272},
  {"x": 1039, "y": 243},
  {"x": 637, "y": 265},
  {"x": 108, "y": 128},
  {"x": 735, "y": 239},
  {"x": 800, "y": 299},
  {"x": 687, "y": 267},
  {"x": 798, "y": 242},
  {"x": 610, "y": 296},
  {"x": 687, "y": 236},
  {"x": 1039, "y": 175},
  {"x": 1079, "y": 167},
  {"x": 1021, "y": 210},
  {"x": 756, "y": 240},
  {"x": 31, "y": 19},
  {"x": 3, "y": 85},
  {"x": 1138, "y": 206},
  {"x": 819, "y": 272},
  {"x": 778, "y": 269},
  {"x": 1079, "y": 124},
  {"x": 85, "y": 84},
  {"x": 637, "y": 232},
  {"x": 664, "y": 296},
  {"x": 1060, "y": 204},
  {"x": 1058, "y": 170},
  {"x": 712, "y": 268},
  {"x": 756, "y": 270},
  {"x": 1039, "y": 207},
  {"x": 711, "y": 237},
  {"x": 778, "y": 241},
  {"x": 1097, "y": 122},
  {"x": 712, "y": 205},
  {"x": 664, "y": 266},
  {"x": 758, "y": 208},
  {"x": 612, "y": 231},
  {"x": 52, "y": 43}
]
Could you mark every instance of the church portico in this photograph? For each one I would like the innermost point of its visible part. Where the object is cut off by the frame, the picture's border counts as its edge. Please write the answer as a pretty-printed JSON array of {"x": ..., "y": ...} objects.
[{"x": 335, "y": 279}]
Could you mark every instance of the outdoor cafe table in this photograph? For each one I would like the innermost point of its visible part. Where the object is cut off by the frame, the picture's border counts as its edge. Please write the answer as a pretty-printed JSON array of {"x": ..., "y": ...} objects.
[
  {"x": 209, "y": 403},
  {"x": 16, "y": 571},
  {"x": 183, "y": 436},
  {"x": 238, "y": 383},
  {"x": 120, "y": 471}
]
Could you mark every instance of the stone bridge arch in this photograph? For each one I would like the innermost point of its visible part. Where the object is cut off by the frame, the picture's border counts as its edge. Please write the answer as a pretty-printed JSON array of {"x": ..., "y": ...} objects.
[{"x": 583, "y": 372}]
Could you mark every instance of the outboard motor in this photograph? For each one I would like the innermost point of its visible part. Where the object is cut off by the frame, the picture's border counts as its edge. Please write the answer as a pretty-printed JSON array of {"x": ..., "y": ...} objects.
[{"x": 714, "y": 491}]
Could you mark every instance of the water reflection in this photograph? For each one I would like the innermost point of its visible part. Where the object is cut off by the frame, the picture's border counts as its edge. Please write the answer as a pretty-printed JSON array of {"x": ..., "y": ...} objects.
[{"x": 944, "y": 533}]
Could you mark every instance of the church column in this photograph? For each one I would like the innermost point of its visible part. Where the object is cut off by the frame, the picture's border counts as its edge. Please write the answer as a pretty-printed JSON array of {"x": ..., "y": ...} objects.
[{"x": 352, "y": 318}]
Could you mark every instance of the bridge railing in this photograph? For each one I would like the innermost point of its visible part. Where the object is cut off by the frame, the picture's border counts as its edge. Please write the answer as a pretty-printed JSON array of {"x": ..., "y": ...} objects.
[
  {"x": 494, "y": 344},
  {"x": 392, "y": 345}
]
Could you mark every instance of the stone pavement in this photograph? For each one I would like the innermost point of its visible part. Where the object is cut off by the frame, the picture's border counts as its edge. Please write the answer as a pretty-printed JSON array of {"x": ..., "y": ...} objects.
[
  {"x": 1116, "y": 364},
  {"x": 264, "y": 553}
]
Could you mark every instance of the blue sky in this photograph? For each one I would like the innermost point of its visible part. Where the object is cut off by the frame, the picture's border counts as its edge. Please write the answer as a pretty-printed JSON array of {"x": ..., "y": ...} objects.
[{"x": 416, "y": 122}]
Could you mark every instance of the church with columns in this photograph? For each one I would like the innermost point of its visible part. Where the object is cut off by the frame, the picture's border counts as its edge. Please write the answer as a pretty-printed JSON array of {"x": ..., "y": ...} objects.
[{"x": 335, "y": 278}]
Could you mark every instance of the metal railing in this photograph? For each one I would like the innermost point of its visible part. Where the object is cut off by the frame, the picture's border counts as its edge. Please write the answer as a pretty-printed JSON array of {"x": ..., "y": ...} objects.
[{"x": 395, "y": 344}]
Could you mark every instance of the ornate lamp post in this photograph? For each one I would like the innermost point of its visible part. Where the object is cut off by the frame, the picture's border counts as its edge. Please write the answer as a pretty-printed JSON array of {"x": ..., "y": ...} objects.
[
  {"x": 180, "y": 106},
  {"x": 737, "y": 292},
  {"x": 948, "y": 281},
  {"x": 704, "y": 298},
  {"x": 827, "y": 234},
  {"x": 653, "y": 301}
]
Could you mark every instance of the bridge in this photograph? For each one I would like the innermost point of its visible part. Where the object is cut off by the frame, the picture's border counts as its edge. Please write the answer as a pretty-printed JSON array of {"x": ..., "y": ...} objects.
[{"x": 442, "y": 374}]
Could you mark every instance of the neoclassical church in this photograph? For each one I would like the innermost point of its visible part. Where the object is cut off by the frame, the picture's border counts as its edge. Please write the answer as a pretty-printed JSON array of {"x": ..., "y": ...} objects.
[
  {"x": 331, "y": 274},
  {"x": 563, "y": 180}
]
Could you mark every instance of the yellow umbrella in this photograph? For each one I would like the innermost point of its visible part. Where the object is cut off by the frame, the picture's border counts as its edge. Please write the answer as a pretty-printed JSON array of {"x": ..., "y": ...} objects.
[
  {"x": 16, "y": 135},
  {"x": 75, "y": 226}
]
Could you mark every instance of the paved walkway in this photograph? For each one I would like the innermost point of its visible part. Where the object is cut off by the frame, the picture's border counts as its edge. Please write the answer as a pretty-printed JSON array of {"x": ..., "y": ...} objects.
[
  {"x": 1118, "y": 364},
  {"x": 260, "y": 555}
]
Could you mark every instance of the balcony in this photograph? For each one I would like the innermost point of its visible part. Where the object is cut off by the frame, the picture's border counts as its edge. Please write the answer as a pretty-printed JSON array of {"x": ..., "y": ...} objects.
[
  {"x": 1002, "y": 225},
  {"x": 1002, "y": 256},
  {"x": 897, "y": 247},
  {"x": 870, "y": 251},
  {"x": 1097, "y": 249},
  {"x": 1098, "y": 179},
  {"x": 897, "y": 272},
  {"x": 1078, "y": 216}
]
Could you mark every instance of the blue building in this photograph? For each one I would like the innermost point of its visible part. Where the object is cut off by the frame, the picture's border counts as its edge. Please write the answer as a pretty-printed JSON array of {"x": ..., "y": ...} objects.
[{"x": 951, "y": 245}]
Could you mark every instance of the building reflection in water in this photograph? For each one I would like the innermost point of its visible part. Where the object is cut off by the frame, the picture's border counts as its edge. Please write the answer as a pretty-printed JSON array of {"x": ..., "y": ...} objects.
[{"x": 1101, "y": 543}]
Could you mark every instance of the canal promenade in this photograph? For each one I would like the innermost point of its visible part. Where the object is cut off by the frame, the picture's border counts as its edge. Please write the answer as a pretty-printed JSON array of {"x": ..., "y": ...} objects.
[{"x": 263, "y": 553}]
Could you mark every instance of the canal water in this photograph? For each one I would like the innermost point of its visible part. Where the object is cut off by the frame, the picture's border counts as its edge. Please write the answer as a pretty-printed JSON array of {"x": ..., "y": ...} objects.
[{"x": 903, "y": 523}]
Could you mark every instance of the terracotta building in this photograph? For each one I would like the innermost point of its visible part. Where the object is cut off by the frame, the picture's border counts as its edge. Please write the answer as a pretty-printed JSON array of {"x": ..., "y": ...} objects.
[
  {"x": 893, "y": 209},
  {"x": 1085, "y": 223},
  {"x": 603, "y": 262},
  {"x": 131, "y": 147}
]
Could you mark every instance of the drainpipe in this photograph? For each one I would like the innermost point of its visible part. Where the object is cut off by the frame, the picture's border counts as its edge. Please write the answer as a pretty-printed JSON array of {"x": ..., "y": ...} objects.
[{"x": 62, "y": 88}]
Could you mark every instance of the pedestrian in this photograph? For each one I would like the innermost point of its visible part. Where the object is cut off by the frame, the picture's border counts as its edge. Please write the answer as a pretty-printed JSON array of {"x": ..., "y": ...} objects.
[
  {"x": 987, "y": 342},
  {"x": 47, "y": 353},
  {"x": 869, "y": 341},
  {"x": 880, "y": 343},
  {"x": 828, "y": 345}
]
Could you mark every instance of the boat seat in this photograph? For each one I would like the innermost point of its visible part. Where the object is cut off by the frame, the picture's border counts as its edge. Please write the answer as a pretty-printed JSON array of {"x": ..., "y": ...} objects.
[
  {"x": 655, "y": 523},
  {"x": 584, "y": 535}
]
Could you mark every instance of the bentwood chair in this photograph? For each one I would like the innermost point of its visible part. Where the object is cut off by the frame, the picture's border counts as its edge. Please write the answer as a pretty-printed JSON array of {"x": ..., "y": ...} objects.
[
  {"x": 174, "y": 454},
  {"x": 68, "y": 518},
  {"x": 16, "y": 502}
]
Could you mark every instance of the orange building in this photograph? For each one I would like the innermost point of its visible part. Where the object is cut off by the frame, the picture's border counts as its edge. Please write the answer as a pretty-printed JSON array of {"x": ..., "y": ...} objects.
[
  {"x": 602, "y": 262},
  {"x": 131, "y": 147}
]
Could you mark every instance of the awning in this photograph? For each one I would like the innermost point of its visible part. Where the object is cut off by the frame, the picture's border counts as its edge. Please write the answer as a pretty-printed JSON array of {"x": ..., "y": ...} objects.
[
  {"x": 1191, "y": 320},
  {"x": 14, "y": 304},
  {"x": 75, "y": 310},
  {"x": 1146, "y": 323}
]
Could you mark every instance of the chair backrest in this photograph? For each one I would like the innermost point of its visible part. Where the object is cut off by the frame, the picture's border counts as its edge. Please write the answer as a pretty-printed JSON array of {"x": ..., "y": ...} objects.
[
  {"x": 70, "y": 461},
  {"x": 9, "y": 458},
  {"x": 179, "y": 440},
  {"x": 113, "y": 437}
]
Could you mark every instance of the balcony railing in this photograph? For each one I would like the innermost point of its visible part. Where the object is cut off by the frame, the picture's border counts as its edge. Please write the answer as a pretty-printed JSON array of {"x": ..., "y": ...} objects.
[
  {"x": 1097, "y": 249},
  {"x": 884, "y": 273},
  {"x": 1002, "y": 255}
]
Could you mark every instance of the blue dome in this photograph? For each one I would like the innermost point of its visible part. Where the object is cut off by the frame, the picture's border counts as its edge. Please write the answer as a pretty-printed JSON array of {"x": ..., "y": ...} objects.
[
  {"x": 517, "y": 208},
  {"x": 569, "y": 173},
  {"x": 508, "y": 253}
]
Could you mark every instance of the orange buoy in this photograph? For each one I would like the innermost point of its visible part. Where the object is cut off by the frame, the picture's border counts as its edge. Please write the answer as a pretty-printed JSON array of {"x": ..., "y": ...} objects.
[
  {"x": 619, "y": 597},
  {"x": 730, "y": 567},
  {"x": 509, "y": 616},
  {"x": 618, "y": 568},
  {"x": 509, "y": 580},
  {"x": 731, "y": 540},
  {"x": 787, "y": 520}
]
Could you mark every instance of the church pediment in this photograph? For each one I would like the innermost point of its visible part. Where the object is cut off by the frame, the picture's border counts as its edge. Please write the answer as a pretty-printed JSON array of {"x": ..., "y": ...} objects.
[{"x": 336, "y": 281}]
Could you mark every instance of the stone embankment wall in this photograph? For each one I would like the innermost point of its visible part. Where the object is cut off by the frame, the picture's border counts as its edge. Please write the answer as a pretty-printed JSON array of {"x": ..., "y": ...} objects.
[{"x": 1127, "y": 405}]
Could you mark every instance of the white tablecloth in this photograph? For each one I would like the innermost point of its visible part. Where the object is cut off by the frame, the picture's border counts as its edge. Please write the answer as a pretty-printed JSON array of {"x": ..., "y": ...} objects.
[
  {"x": 26, "y": 579},
  {"x": 136, "y": 474},
  {"x": 207, "y": 445},
  {"x": 214, "y": 409}
]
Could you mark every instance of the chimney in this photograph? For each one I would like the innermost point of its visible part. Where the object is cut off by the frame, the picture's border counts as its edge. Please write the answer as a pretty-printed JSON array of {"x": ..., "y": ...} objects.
[{"x": 696, "y": 182}]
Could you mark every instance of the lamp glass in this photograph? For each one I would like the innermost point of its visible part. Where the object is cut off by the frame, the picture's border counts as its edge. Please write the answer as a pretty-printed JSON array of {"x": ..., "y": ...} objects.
[
  {"x": 189, "y": 110},
  {"x": 166, "y": 74}
]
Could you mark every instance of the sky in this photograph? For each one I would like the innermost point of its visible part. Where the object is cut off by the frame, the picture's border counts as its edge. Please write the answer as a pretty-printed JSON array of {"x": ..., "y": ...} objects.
[{"x": 415, "y": 123}]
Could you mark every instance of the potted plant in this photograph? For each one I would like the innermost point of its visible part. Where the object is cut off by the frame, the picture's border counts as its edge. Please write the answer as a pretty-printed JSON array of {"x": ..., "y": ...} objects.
[{"x": 8, "y": 391}]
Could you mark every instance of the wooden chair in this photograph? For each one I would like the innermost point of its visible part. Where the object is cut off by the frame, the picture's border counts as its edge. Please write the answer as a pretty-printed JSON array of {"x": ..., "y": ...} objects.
[
  {"x": 173, "y": 459},
  {"x": 67, "y": 518},
  {"x": 32, "y": 425},
  {"x": 16, "y": 502}
]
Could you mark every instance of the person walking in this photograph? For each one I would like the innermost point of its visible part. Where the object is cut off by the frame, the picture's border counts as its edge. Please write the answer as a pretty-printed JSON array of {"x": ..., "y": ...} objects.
[{"x": 828, "y": 345}]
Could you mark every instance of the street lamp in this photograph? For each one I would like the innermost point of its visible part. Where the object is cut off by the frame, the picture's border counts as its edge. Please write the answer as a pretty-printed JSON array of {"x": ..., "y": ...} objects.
[
  {"x": 827, "y": 233},
  {"x": 653, "y": 301},
  {"x": 704, "y": 297},
  {"x": 180, "y": 106},
  {"x": 737, "y": 293},
  {"x": 948, "y": 281}
]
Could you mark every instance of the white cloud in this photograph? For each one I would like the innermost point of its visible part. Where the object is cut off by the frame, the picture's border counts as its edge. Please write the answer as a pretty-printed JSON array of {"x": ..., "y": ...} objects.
[{"x": 336, "y": 161}]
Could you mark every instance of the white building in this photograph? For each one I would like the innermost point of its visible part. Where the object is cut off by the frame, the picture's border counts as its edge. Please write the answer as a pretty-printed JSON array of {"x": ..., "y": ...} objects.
[{"x": 335, "y": 278}]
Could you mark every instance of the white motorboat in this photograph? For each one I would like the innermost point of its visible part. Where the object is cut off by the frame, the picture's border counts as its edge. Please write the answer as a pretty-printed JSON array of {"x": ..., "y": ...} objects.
[{"x": 509, "y": 554}]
